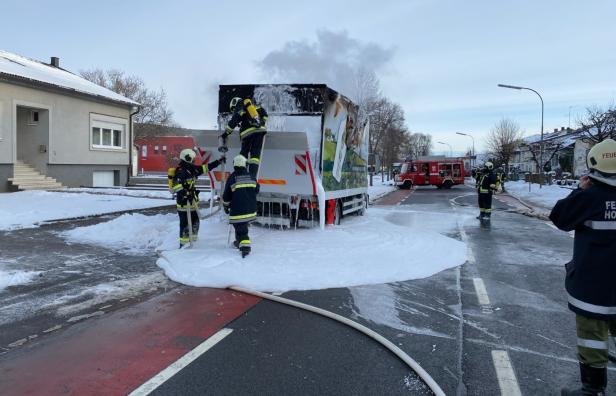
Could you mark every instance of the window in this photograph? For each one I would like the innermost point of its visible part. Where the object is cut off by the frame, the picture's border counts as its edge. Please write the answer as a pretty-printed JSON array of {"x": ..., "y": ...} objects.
[
  {"x": 107, "y": 135},
  {"x": 34, "y": 117},
  {"x": 155, "y": 149},
  {"x": 144, "y": 151},
  {"x": 164, "y": 149}
]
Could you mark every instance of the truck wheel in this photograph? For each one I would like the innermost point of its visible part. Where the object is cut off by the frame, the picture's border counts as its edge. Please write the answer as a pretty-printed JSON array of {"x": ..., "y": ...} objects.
[
  {"x": 364, "y": 206},
  {"x": 337, "y": 213},
  {"x": 447, "y": 184},
  {"x": 407, "y": 185}
]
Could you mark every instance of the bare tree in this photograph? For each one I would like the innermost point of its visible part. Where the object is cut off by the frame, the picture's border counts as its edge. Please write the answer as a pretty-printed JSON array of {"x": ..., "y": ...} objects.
[
  {"x": 154, "y": 107},
  {"x": 503, "y": 140},
  {"x": 419, "y": 144},
  {"x": 599, "y": 124}
]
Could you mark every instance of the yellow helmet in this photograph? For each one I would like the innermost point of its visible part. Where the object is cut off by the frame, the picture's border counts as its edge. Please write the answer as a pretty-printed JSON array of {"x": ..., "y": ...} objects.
[{"x": 601, "y": 162}]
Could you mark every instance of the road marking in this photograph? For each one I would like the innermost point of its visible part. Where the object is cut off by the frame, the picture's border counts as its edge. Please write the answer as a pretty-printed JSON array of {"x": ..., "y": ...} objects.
[
  {"x": 482, "y": 293},
  {"x": 179, "y": 364},
  {"x": 549, "y": 224},
  {"x": 504, "y": 372}
]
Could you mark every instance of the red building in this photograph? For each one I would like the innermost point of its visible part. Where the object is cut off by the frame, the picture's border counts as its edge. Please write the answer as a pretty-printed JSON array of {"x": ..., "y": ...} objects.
[{"x": 157, "y": 154}]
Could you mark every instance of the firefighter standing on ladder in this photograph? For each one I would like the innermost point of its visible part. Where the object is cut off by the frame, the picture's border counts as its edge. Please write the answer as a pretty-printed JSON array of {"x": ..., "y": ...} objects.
[
  {"x": 251, "y": 121},
  {"x": 487, "y": 183},
  {"x": 591, "y": 212},
  {"x": 240, "y": 202},
  {"x": 183, "y": 184}
]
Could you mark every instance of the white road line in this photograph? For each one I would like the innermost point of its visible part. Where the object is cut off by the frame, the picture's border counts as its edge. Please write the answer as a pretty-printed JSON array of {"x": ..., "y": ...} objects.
[
  {"x": 482, "y": 293},
  {"x": 504, "y": 372},
  {"x": 179, "y": 364}
]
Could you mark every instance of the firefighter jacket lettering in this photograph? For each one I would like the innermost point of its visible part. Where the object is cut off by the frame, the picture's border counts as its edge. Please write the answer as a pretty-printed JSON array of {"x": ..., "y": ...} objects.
[
  {"x": 247, "y": 124},
  {"x": 185, "y": 181},
  {"x": 240, "y": 197},
  {"x": 591, "y": 275},
  {"x": 487, "y": 182}
]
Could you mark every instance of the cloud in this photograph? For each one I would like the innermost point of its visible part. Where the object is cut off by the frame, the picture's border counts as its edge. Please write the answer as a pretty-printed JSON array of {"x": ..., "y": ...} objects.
[{"x": 334, "y": 59}]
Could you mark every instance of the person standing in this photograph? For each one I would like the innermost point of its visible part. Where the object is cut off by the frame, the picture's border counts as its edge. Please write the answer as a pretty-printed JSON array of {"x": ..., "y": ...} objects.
[
  {"x": 251, "y": 120},
  {"x": 183, "y": 185},
  {"x": 590, "y": 278},
  {"x": 240, "y": 202},
  {"x": 486, "y": 185}
]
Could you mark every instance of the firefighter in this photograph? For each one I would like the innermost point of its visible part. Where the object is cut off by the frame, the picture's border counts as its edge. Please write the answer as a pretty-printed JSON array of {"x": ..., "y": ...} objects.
[
  {"x": 183, "y": 185},
  {"x": 591, "y": 212},
  {"x": 251, "y": 120},
  {"x": 501, "y": 176},
  {"x": 240, "y": 202},
  {"x": 487, "y": 183}
]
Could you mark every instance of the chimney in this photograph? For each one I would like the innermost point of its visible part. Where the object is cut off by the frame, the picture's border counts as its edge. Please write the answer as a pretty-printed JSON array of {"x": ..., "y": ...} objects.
[
  {"x": 55, "y": 61},
  {"x": 555, "y": 129},
  {"x": 562, "y": 128}
]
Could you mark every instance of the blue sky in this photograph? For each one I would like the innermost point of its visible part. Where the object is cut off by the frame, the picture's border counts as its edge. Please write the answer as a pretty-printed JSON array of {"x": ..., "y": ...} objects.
[{"x": 441, "y": 60}]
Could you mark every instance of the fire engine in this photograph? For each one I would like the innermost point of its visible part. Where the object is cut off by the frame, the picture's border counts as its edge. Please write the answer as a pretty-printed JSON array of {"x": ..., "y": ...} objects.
[{"x": 442, "y": 173}]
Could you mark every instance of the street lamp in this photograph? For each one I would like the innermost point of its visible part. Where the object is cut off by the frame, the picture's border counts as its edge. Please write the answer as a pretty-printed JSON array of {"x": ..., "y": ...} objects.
[
  {"x": 473, "y": 153},
  {"x": 541, "y": 142},
  {"x": 450, "y": 150}
]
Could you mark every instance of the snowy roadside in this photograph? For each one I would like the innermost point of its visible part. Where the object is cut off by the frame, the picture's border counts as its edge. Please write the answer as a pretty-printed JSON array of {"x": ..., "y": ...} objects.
[
  {"x": 28, "y": 209},
  {"x": 380, "y": 187},
  {"x": 543, "y": 198}
]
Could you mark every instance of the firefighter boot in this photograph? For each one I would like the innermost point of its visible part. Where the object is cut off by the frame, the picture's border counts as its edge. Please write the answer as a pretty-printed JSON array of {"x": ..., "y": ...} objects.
[
  {"x": 245, "y": 251},
  {"x": 594, "y": 381},
  {"x": 236, "y": 244}
]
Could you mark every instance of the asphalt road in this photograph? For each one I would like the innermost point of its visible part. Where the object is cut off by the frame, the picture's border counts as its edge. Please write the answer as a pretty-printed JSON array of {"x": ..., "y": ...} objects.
[{"x": 520, "y": 324}]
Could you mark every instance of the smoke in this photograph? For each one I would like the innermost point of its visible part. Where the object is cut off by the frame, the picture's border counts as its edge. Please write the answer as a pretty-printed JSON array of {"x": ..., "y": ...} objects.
[{"x": 335, "y": 59}]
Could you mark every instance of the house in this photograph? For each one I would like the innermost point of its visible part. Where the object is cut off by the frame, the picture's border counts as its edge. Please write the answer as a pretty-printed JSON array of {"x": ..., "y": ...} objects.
[
  {"x": 58, "y": 129},
  {"x": 558, "y": 151}
]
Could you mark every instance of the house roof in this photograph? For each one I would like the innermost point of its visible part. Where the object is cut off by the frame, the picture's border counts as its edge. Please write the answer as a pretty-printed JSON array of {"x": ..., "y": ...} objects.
[{"x": 29, "y": 71}]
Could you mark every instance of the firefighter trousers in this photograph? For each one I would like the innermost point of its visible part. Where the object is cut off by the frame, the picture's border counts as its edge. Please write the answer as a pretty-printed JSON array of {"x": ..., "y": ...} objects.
[
  {"x": 194, "y": 218},
  {"x": 251, "y": 150},
  {"x": 593, "y": 340},
  {"x": 485, "y": 204},
  {"x": 241, "y": 235}
]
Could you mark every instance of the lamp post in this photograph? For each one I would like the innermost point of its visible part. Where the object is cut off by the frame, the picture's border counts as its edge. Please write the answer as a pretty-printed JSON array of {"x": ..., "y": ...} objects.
[
  {"x": 473, "y": 153},
  {"x": 450, "y": 150},
  {"x": 541, "y": 142}
]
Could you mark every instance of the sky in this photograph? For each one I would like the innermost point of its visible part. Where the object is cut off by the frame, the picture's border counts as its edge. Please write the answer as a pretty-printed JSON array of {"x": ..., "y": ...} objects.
[{"x": 440, "y": 60}]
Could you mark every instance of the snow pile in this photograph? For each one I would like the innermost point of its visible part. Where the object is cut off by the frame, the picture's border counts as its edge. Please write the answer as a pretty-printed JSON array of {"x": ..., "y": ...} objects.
[
  {"x": 27, "y": 209},
  {"x": 130, "y": 233},
  {"x": 14, "y": 277},
  {"x": 162, "y": 194},
  {"x": 380, "y": 187},
  {"x": 30, "y": 69},
  {"x": 545, "y": 197}
]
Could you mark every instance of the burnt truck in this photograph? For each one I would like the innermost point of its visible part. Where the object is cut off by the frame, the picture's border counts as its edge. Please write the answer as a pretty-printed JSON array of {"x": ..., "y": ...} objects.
[{"x": 314, "y": 164}]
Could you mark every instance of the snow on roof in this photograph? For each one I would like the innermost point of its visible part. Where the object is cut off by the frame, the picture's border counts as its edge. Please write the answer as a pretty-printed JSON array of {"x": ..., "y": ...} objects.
[{"x": 29, "y": 69}]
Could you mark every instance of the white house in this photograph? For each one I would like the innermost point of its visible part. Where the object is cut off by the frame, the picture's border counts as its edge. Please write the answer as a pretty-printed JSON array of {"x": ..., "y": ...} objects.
[{"x": 58, "y": 129}]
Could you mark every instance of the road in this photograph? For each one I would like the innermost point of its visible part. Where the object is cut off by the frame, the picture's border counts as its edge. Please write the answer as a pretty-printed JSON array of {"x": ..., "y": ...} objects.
[{"x": 497, "y": 325}]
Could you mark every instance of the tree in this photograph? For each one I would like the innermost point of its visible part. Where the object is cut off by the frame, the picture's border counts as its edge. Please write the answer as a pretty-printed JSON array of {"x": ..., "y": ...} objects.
[
  {"x": 419, "y": 144},
  {"x": 599, "y": 124},
  {"x": 388, "y": 133},
  {"x": 154, "y": 108},
  {"x": 503, "y": 140}
]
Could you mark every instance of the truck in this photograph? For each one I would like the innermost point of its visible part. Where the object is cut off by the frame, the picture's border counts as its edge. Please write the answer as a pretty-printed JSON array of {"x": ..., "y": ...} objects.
[
  {"x": 442, "y": 173},
  {"x": 314, "y": 163}
]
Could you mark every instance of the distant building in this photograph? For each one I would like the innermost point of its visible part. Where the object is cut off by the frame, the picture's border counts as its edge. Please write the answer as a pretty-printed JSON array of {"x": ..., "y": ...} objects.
[{"x": 58, "y": 129}]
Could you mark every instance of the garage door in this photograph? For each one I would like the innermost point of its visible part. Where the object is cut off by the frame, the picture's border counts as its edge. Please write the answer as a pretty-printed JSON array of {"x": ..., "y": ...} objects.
[{"x": 102, "y": 179}]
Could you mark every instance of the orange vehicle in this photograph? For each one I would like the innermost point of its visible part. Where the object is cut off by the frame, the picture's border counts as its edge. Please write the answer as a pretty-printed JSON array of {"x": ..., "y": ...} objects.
[{"x": 444, "y": 173}]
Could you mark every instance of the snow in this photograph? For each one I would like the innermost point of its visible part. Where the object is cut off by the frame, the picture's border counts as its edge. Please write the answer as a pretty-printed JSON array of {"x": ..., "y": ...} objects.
[
  {"x": 383, "y": 246},
  {"x": 545, "y": 197},
  {"x": 380, "y": 187},
  {"x": 27, "y": 209},
  {"x": 162, "y": 194},
  {"x": 14, "y": 277},
  {"x": 20, "y": 66}
]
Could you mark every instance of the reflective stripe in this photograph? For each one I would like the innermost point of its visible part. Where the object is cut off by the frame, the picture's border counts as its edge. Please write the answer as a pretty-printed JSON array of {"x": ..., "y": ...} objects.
[
  {"x": 177, "y": 187},
  {"x": 250, "y": 131},
  {"x": 593, "y": 344},
  {"x": 245, "y": 242},
  {"x": 600, "y": 225},
  {"x": 225, "y": 203},
  {"x": 184, "y": 240},
  {"x": 242, "y": 217},
  {"x": 483, "y": 190},
  {"x": 598, "y": 309},
  {"x": 204, "y": 167},
  {"x": 254, "y": 160},
  {"x": 229, "y": 128},
  {"x": 243, "y": 185},
  {"x": 185, "y": 208}
]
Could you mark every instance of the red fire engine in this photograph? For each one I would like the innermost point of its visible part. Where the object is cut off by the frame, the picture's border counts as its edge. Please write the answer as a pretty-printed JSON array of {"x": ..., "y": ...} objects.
[{"x": 442, "y": 173}]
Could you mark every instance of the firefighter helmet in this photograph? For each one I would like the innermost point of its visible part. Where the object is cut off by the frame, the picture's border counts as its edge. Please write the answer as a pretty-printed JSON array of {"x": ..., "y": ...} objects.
[
  {"x": 234, "y": 103},
  {"x": 489, "y": 165},
  {"x": 239, "y": 161},
  {"x": 187, "y": 155},
  {"x": 601, "y": 161}
]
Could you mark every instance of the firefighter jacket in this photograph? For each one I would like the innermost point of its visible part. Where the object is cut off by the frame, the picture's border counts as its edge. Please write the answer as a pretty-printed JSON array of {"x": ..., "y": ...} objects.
[
  {"x": 591, "y": 274},
  {"x": 240, "y": 197},
  {"x": 185, "y": 181},
  {"x": 487, "y": 182},
  {"x": 247, "y": 124}
]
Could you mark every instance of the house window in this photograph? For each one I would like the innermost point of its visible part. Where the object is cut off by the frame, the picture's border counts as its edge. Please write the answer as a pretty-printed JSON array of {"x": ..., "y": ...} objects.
[
  {"x": 34, "y": 117},
  {"x": 155, "y": 149},
  {"x": 164, "y": 149},
  {"x": 144, "y": 151},
  {"x": 107, "y": 135}
]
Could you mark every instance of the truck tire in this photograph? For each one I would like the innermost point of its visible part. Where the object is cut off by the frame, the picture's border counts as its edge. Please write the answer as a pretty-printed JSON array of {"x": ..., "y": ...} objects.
[
  {"x": 447, "y": 184},
  {"x": 364, "y": 207},
  {"x": 338, "y": 213},
  {"x": 407, "y": 185}
]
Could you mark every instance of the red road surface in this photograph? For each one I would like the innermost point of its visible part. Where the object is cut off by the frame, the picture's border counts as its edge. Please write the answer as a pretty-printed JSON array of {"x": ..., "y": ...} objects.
[
  {"x": 114, "y": 354},
  {"x": 394, "y": 197}
]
